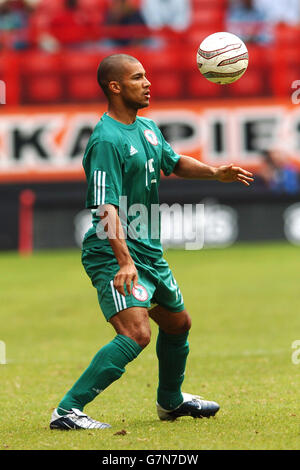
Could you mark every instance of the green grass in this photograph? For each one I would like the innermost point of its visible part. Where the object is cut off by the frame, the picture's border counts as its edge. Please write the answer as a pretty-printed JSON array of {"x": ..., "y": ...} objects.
[{"x": 244, "y": 303}]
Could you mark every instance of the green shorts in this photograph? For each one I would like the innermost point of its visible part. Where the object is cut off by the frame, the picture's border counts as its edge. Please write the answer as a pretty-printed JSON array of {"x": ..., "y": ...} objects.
[{"x": 156, "y": 283}]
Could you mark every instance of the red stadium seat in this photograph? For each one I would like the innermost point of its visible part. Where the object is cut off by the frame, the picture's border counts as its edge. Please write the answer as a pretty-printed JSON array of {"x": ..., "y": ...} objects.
[
  {"x": 43, "y": 90},
  {"x": 166, "y": 85},
  {"x": 71, "y": 74},
  {"x": 250, "y": 84},
  {"x": 38, "y": 26},
  {"x": 221, "y": 4},
  {"x": 189, "y": 62},
  {"x": 41, "y": 77},
  {"x": 284, "y": 69},
  {"x": 53, "y": 5},
  {"x": 286, "y": 35},
  {"x": 84, "y": 88},
  {"x": 285, "y": 56},
  {"x": 94, "y": 9},
  {"x": 93, "y": 4},
  {"x": 80, "y": 61},
  {"x": 281, "y": 83},
  {"x": 258, "y": 55},
  {"x": 209, "y": 18},
  {"x": 80, "y": 75},
  {"x": 208, "y": 14},
  {"x": 198, "y": 87},
  {"x": 196, "y": 36},
  {"x": 40, "y": 62},
  {"x": 165, "y": 59}
]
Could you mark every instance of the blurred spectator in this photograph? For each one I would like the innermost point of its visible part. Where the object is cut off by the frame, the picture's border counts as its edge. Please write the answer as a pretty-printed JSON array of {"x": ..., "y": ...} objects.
[
  {"x": 280, "y": 11},
  {"x": 249, "y": 22},
  {"x": 278, "y": 173},
  {"x": 176, "y": 14},
  {"x": 14, "y": 24},
  {"x": 124, "y": 13},
  {"x": 68, "y": 26}
]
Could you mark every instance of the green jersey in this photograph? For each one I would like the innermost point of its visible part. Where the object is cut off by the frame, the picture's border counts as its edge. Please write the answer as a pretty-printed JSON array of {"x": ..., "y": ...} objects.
[{"x": 123, "y": 165}]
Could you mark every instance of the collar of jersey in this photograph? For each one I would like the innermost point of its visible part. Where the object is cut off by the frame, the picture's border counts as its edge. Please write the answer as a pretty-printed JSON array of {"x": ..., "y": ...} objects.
[{"x": 120, "y": 124}]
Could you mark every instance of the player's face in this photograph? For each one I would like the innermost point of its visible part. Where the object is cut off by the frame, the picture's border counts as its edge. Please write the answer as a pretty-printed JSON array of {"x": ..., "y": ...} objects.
[{"x": 135, "y": 87}]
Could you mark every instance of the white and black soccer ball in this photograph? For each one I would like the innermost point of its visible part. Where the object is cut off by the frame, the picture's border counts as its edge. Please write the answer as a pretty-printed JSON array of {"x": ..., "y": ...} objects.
[{"x": 222, "y": 58}]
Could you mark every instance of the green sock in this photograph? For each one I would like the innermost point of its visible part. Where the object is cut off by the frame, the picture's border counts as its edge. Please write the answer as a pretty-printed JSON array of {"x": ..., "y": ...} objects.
[
  {"x": 107, "y": 366},
  {"x": 172, "y": 352}
]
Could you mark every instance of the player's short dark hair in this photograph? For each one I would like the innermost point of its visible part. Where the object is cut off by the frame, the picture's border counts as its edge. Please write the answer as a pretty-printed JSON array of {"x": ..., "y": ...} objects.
[{"x": 111, "y": 68}]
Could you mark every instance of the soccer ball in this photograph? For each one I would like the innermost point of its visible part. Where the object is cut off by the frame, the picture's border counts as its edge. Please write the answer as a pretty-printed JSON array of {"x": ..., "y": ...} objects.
[{"x": 222, "y": 58}]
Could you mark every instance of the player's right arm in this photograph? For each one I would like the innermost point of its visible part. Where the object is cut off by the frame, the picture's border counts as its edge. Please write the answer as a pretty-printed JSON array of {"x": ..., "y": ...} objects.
[
  {"x": 190, "y": 168},
  {"x": 127, "y": 274}
]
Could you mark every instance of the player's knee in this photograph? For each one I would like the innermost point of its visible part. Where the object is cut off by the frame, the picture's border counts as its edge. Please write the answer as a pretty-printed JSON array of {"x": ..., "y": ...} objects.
[
  {"x": 141, "y": 334},
  {"x": 182, "y": 325},
  {"x": 142, "y": 337},
  {"x": 135, "y": 324},
  {"x": 185, "y": 324}
]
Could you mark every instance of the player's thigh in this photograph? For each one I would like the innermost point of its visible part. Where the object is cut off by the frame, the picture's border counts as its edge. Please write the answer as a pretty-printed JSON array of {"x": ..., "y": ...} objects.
[
  {"x": 171, "y": 322},
  {"x": 167, "y": 293},
  {"x": 102, "y": 269},
  {"x": 134, "y": 323}
]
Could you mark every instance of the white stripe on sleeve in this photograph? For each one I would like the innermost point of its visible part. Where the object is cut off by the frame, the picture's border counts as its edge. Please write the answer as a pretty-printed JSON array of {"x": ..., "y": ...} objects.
[
  {"x": 98, "y": 188},
  {"x": 103, "y": 187},
  {"x": 95, "y": 188}
]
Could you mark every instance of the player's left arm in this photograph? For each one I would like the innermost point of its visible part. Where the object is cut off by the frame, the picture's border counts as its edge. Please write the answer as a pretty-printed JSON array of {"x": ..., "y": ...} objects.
[{"x": 190, "y": 168}]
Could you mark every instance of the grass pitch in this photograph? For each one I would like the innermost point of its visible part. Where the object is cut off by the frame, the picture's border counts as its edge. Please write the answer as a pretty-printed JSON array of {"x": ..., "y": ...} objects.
[{"x": 244, "y": 302}]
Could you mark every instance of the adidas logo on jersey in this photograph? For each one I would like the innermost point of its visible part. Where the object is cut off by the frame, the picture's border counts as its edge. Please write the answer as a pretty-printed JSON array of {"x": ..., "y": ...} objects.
[{"x": 133, "y": 151}]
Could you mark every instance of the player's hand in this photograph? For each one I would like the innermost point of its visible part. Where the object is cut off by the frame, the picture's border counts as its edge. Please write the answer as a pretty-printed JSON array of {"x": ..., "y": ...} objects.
[
  {"x": 231, "y": 173},
  {"x": 126, "y": 276}
]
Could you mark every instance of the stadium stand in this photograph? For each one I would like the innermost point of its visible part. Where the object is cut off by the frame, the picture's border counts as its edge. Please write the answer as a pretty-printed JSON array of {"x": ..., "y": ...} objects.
[
  {"x": 79, "y": 72},
  {"x": 67, "y": 39}
]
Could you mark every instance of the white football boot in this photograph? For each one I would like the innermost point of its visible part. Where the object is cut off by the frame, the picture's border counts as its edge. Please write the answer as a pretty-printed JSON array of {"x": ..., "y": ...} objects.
[{"x": 75, "y": 419}]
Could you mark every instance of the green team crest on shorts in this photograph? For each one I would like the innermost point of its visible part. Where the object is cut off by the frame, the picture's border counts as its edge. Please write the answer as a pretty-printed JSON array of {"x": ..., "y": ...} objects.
[{"x": 140, "y": 293}]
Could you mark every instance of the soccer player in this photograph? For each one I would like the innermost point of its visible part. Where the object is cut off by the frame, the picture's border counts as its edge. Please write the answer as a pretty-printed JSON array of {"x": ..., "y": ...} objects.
[{"x": 123, "y": 161}]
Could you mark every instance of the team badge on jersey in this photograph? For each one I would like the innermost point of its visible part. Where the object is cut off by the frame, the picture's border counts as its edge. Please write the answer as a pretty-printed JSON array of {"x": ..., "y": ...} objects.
[
  {"x": 139, "y": 293},
  {"x": 151, "y": 137}
]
